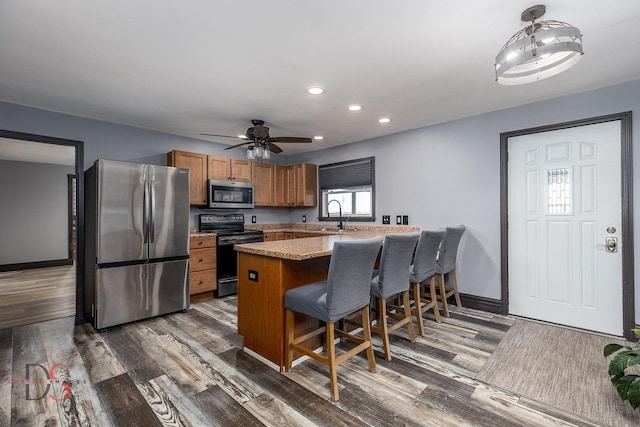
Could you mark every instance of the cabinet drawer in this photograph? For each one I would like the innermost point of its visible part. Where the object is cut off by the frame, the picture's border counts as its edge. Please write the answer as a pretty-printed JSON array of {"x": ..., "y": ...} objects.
[
  {"x": 203, "y": 242},
  {"x": 202, "y": 281},
  {"x": 202, "y": 259}
]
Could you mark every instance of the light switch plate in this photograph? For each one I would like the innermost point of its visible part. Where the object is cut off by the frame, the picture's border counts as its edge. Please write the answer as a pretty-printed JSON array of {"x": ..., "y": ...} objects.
[
  {"x": 398, "y": 219},
  {"x": 253, "y": 219},
  {"x": 304, "y": 218},
  {"x": 405, "y": 219},
  {"x": 386, "y": 219}
]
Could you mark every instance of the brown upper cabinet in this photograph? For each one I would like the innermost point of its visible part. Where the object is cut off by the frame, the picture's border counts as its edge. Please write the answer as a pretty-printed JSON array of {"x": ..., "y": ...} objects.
[
  {"x": 296, "y": 185},
  {"x": 306, "y": 182},
  {"x": 224, "y": 168},
  {"x": 274, "y": 185},
  {"x": 263, "y": 176},
  {"x": 197, "y": 165},
  {"x": 282, "y": 182}
]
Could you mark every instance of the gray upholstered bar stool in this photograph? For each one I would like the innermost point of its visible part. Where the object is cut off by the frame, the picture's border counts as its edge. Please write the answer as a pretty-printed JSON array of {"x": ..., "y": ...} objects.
[
  {"x": 422, "y": 276},
  {"x": 345, "y": 291},
  {"x": 392, "y": 279},
  {"x": 446, "y": 266}
]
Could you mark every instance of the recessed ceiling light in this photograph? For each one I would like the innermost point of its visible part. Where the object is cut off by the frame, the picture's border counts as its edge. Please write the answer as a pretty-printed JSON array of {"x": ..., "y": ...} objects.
[
  {"x": 355, "y": 107},
  {"x": 318, "y": 137},
  {"x": 384, "y": 120},
  {"x": 315, "y": 90}
]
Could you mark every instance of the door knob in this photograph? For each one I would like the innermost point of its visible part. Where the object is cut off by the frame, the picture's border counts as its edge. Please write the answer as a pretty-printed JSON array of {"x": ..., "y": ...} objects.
[{"x": 611, "y": 244}]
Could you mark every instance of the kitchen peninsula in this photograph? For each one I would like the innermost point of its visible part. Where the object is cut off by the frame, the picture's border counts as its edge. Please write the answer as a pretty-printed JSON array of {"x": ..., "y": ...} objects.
[{"x": 267, "y": 270}]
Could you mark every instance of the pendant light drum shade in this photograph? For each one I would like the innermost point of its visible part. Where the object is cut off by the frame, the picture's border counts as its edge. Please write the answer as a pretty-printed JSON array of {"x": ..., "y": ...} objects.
[{"x": 538, "y": 51}]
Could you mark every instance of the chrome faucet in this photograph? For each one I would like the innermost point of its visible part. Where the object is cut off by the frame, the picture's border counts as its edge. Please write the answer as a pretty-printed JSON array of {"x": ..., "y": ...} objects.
[{"x": 340, "y": 226}]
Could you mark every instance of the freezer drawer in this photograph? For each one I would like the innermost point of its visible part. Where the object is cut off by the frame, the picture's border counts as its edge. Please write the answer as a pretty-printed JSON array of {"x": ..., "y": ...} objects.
[{"x": 135, "y": 292}]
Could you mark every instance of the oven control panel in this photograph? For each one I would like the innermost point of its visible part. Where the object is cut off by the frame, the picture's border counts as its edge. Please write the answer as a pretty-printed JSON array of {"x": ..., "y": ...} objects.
[{"x": 235, "y": 218}]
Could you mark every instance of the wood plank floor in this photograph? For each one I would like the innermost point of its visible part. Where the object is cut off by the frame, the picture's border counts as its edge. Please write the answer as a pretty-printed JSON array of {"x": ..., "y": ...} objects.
[
  {"x": 36, "y": 295},
  {"x": 188, "y": 369}
]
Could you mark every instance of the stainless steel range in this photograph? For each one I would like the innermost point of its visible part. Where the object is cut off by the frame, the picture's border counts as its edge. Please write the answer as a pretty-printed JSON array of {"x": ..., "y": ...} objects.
[{"x": 229, "y": 229}]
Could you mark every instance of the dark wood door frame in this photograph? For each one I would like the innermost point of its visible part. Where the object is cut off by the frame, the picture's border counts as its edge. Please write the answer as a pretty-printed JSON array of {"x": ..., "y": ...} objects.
[
  {"x": 79, "y": 165},
  {"x": 628, "y": 306}
]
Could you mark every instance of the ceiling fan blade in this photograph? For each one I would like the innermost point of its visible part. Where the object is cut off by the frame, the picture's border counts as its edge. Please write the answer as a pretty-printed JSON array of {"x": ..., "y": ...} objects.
[
  {"x": 223, "y": 136},
  {"x": 239, "y": 145},
  {"x": 274, "y": 148},
  {"x": 289, "y": 139}
]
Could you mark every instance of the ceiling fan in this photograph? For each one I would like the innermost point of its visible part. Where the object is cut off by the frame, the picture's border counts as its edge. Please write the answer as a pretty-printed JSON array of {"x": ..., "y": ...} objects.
[{"x": 257, "y": 136}]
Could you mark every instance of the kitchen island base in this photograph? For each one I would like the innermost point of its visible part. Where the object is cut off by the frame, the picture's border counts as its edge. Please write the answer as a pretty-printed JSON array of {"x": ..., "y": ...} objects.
[{"x": 262, "y": 283}]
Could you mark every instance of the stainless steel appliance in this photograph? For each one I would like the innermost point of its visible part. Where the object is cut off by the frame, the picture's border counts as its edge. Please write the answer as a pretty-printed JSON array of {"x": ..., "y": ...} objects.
[
  {"x": 230, "y": 194},
  {"x": 230, "y": 231},
  {"x": 137, "y": 241}
]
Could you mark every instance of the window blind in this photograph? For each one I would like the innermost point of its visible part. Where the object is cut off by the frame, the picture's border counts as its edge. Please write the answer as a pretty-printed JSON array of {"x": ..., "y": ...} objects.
[{"x": 349, "y": 174}]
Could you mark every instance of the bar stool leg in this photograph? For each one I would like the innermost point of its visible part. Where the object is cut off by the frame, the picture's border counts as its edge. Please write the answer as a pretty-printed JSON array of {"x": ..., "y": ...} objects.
[
  {"x": 416, "y": 310},
  {"x": 366, "y": 326},
  {"x": 288, "y": 340},
  {"x": 434, "y": 299},
  {"x": 407, "y": 315},
  {"x": 331, "y": 350}
]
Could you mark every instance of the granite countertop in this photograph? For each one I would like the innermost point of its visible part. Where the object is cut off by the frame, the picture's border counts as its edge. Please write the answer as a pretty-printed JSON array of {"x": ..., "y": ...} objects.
[
  {"x": 301, "y": 249},
  {"x": 307, "y": 248},
  {"x": 197, "y": 234}
]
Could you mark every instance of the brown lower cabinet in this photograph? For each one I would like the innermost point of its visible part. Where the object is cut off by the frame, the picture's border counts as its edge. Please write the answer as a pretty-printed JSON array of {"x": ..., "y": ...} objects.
[{"x": 202, "y": 266}]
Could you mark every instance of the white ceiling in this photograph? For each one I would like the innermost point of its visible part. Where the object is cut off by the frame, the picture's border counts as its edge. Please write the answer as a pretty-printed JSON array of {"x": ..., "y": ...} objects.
[{"x": 211, "y": 66}]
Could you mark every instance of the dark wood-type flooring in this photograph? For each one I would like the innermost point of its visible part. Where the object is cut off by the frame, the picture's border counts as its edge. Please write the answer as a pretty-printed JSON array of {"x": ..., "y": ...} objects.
[
  {"x": 36, "y": 295},
  {"x": 188, "y": 369}
]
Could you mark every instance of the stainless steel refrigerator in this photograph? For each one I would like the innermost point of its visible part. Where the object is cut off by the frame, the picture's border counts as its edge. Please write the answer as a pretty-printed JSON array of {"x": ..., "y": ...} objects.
[{"x": 136, "y": 241}]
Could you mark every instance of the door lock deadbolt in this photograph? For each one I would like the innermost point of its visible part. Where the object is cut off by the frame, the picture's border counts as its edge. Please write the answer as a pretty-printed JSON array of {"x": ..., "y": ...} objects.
[{"x": 611, "y": 230}]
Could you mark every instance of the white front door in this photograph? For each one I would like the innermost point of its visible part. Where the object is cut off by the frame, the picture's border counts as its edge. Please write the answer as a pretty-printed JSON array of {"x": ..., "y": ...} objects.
[{"x": 564, "y": 201}]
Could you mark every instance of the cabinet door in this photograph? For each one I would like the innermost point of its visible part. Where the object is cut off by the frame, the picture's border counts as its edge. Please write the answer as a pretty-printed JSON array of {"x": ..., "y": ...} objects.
[
  {"x": 197, "y": 165},
  {"x": 306, "y": 185},
  {"x": 240, "y": 170},
  {"x": 280, "y": 186},
  {"x": 219, "y": 168},
  {"x": 262, "y": 183},
  {"x": 291, "y": 185}
]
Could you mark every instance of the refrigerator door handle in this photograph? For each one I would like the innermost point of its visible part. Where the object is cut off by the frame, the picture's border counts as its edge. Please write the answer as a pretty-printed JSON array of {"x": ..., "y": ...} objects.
[
  {"x": 145, "y": 206},
  {"x": 152, "y": 214}
]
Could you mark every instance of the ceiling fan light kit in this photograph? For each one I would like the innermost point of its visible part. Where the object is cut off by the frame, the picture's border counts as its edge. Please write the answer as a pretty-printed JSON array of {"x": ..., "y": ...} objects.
[{"x": 538, "y": 51}]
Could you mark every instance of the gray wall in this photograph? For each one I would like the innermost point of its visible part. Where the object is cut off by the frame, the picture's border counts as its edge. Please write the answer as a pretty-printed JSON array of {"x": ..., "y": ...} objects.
[
  {"x": 440, "y": 175},
  {"x": 34, "y": 212},
  {"x": 449, "y": 174}
]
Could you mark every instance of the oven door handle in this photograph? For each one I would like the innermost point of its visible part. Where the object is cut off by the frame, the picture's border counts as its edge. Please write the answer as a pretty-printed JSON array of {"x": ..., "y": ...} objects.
[{"x": 237, "y": 240}]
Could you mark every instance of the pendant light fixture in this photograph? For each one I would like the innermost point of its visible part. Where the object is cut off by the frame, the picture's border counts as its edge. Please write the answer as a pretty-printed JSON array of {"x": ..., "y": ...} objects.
[{"x": 540, "y": 50}]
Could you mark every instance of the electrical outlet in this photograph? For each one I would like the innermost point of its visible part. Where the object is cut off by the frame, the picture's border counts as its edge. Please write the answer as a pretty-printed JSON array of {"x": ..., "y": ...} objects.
[
  {"x": 398, "y": 219},
  {"x": 253, "y": 275},
  {"x": 304, "y": 218},
  {"x": 253, "y": 219},
  {"x": 386, "y": 219},
  {"x": 405, "y": 219}
]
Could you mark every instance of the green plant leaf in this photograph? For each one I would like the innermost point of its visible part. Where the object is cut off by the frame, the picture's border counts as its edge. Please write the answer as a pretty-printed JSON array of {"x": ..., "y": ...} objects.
[
  {"x": 609, "y": 349},
  {"x": 623, "y": 385},
  {"x": 633, "y": 392},
  {"x": 623, "y": 360}
]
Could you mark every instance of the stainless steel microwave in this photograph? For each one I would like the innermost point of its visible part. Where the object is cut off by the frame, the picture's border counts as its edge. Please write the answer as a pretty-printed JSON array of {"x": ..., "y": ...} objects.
[{"x": 230, "y": 194}]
